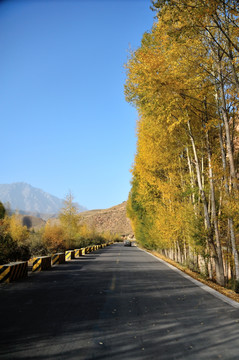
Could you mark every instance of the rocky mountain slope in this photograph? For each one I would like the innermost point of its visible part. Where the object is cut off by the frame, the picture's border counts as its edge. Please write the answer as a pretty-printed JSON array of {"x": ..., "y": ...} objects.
[{"x": 113, "y": 219}]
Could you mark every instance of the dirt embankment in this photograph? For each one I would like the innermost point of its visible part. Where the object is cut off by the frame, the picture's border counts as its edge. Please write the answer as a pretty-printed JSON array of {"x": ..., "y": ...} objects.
[{"x": 113, "y": 219}]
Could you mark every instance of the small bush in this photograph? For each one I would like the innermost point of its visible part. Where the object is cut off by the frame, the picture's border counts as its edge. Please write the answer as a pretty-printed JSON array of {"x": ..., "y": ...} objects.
[
  {"x": 36, "y": 245},
  {"x": 54, "y": 237},
  {"x": 8, "y": 248},
  {"x": 10, "y": 251},
  {"x": 235, "y": 285},
  {"x": 2, "y": 211}
]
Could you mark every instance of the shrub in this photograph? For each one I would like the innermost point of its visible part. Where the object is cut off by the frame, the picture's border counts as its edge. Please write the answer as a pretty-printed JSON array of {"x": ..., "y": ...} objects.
[
  {"x": 2, "y": 211},
  {"x": 10, "y": 251},
  {"x": 36, "y": 244},
  {"x": 53, "y": 237}
]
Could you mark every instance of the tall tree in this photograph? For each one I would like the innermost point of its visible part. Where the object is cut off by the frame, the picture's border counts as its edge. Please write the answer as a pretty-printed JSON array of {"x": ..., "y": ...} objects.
[
  {"x": 69, "y": 218},
  {"x": 183, "y": 81}
]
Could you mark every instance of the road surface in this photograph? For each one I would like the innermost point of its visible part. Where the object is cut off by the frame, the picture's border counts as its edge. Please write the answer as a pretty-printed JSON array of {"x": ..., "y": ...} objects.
[{"x": 116, "y": 303}]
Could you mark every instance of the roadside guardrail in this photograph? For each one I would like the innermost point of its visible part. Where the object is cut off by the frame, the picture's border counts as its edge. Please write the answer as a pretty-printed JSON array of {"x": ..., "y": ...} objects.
[
  {"x": 14, "y": 271},
  {"x": 19, "y": 270},
  {"x": 41, "y": 263}
]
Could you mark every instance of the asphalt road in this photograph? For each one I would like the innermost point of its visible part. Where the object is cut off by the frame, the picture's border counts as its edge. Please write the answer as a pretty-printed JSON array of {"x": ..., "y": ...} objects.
[{"x": 116, "y": 303}]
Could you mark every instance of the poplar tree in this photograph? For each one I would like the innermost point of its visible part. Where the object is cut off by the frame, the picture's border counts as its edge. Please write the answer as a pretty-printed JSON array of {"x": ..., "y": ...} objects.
[
  {"x": 183, "y": 81},
  {"x": 69, "y": 218}
]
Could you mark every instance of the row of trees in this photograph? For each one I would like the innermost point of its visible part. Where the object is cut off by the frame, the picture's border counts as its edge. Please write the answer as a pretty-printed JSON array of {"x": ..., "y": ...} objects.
[
  {"x": 17, "y": 242},
  {"x": 184, "y": 83}
]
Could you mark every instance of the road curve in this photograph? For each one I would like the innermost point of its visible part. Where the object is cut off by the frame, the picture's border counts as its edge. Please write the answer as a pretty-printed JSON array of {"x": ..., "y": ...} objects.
[{"x": 117, "y": 303}]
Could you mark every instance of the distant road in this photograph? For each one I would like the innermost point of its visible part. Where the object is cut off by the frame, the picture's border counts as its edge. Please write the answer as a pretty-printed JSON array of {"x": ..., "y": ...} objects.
[{"x": 117, "y": 303}]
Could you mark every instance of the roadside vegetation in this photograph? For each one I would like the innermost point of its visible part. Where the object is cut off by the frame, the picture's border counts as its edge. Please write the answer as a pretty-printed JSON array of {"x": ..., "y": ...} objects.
[
  {"x": 184, "y": 82},
  {"x": 66, "y": 232}
]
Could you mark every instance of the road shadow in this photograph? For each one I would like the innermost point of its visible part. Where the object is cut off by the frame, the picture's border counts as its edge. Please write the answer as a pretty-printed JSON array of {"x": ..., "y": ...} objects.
[{"x": 115, "y": 304}]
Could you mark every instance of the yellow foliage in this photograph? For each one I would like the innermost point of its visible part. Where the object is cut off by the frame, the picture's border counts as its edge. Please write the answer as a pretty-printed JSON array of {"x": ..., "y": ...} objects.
[
  {"x": 69, "y": 219},
  {"x": 17, "y": 231},
  {"x": 54, "y": 236},
  {"x": 183, "y": 81}
]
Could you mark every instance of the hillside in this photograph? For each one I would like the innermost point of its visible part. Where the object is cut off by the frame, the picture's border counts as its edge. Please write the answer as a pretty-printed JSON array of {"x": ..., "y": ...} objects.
[
  {"x": 32, "y": 222},
  {"x": 113, "y": 219}
]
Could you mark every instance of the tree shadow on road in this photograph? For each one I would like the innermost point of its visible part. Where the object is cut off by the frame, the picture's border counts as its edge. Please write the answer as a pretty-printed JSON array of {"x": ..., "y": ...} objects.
[{"x": 115, "y": 304}]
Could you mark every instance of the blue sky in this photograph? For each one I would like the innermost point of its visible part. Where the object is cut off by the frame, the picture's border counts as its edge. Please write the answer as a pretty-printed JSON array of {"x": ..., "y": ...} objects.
[{"x": 65, "y": 125}]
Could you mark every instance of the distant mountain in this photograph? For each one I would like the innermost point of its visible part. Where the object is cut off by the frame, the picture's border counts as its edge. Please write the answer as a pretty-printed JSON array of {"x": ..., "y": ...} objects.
[{"x": 30, "y": 200}]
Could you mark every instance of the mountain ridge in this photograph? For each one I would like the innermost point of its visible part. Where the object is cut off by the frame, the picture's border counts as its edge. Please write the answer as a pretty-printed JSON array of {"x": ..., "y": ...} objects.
[
  {"x": 26, "y": 199},
  {"x": 36, "y": 206}
]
